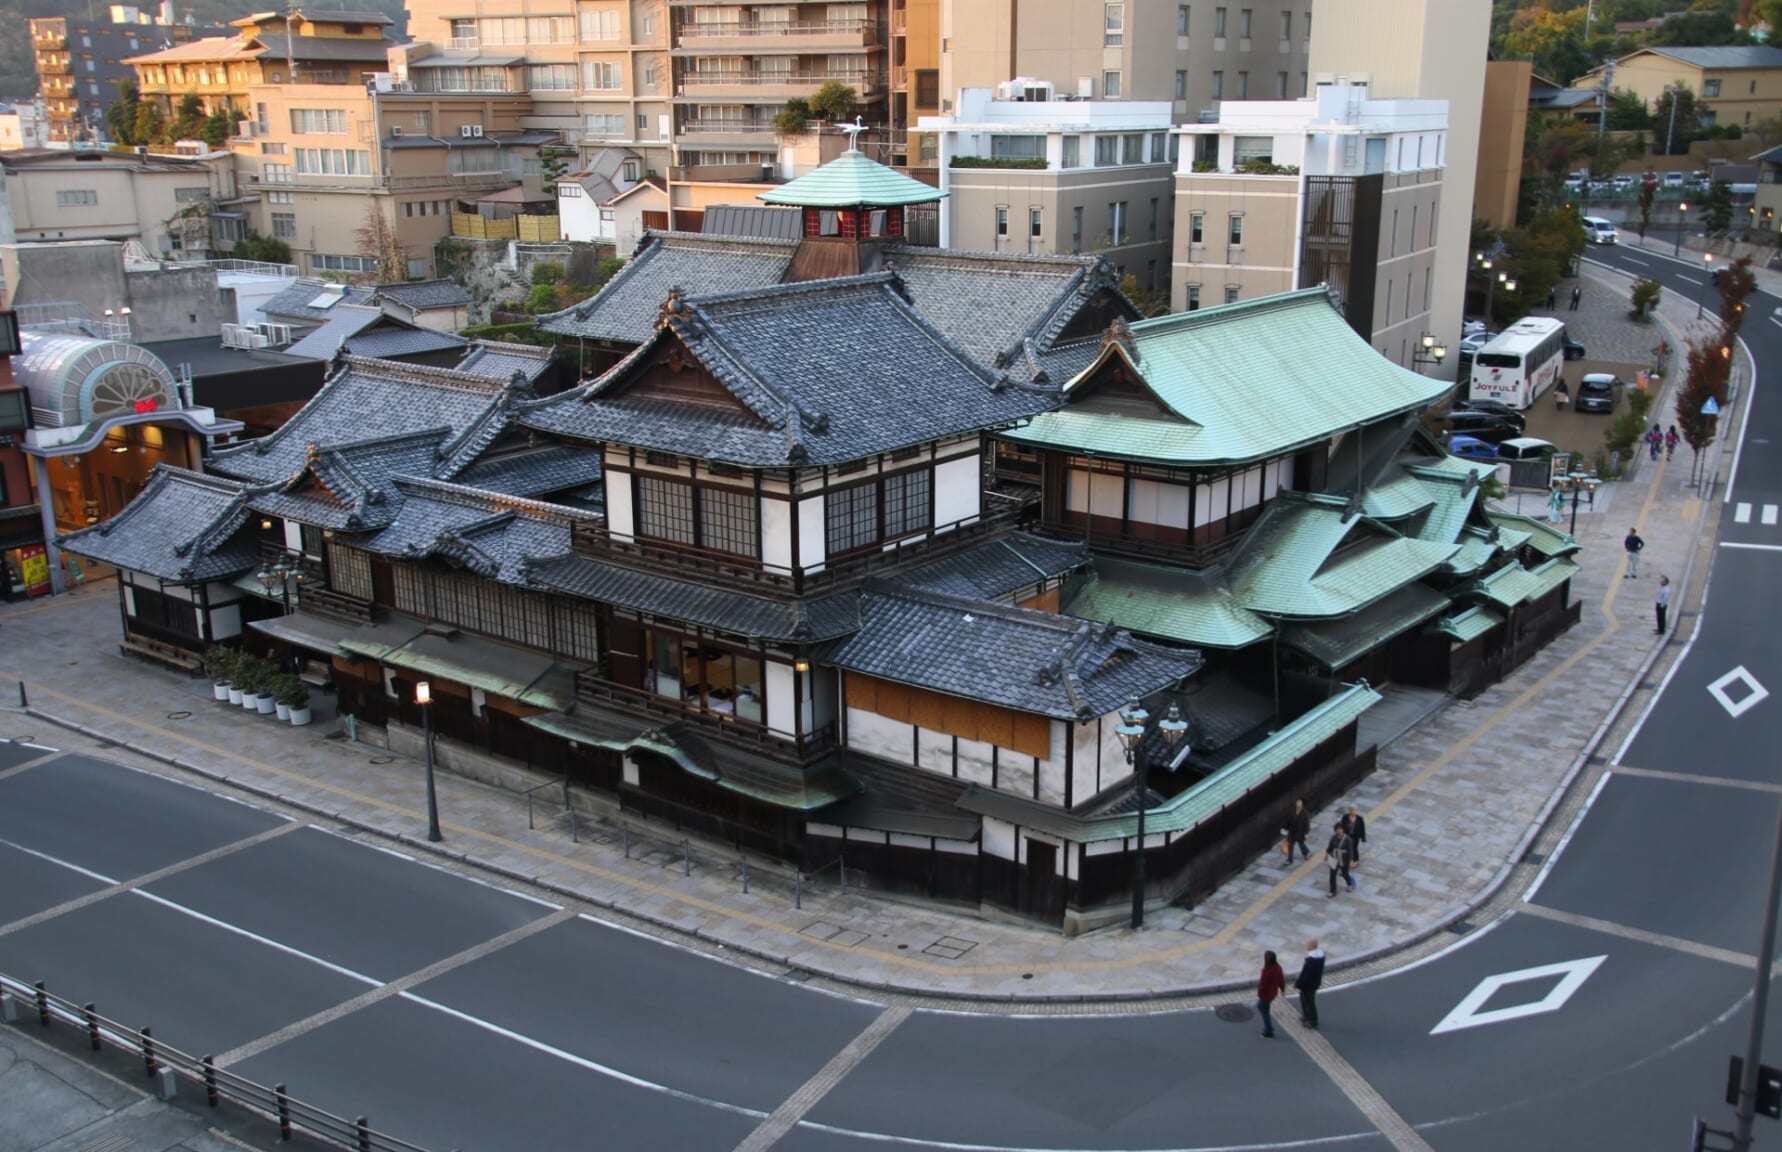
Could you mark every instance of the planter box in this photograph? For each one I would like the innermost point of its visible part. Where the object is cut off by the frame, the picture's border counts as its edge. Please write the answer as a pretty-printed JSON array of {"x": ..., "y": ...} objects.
[
  {"x": 300, "y": 716},
  {"x": 220, "y": 690},
  {"x": 266, "y": 704}
]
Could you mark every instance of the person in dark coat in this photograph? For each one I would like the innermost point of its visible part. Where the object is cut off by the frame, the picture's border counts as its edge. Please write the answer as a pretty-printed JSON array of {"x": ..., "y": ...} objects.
[
  {"x": 1336, "y": 858},
  {"x": 1356, "y": 825},
  {"x": 1310, "y": 979},
  {"x": 1273, "y": 984},
  {"x": 1299, "y": 826}
]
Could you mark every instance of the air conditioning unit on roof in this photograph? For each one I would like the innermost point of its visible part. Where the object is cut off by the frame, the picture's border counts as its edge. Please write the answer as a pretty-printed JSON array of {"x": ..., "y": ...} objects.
[
  {"x": 476, "y": 129},
  {"x": 464, "y": 131},
  {"x": 395, "y": 130}
]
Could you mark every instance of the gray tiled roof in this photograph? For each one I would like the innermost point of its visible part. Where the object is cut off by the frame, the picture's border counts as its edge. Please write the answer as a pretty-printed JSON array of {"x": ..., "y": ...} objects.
[
  {"x": 1030, "y": 661},
  {"x": 182, "y": 527},
  {"x": 763, "y": 221},
  {"x": 792, "y": 358},
  {"x": 352, "y": 486},
  {"x": 625, "y": 310},
  {"x": 987, "y": 303},
  {"x": 336, "y": 331},
  {"x": 998, "y": 568},
  {"x": 492, "y": 535},
  {"x": 369, "y": 400},
  {"x": 328, "y": 48},
  {"x": 1728, "y": 56},
  {"x": 292, "y": 303},
  {"x": 499, "y": 361},
  {"x": 387, "y": 342},
  {"x": 808, "y": 621},
  {"x": 425, "y": 293},
  {"x": 535, "y": 472}
]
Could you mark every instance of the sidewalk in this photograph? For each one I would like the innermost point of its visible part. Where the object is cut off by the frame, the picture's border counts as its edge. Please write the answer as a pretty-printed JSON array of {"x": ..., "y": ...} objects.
[{"x": 1452, "y": 810}]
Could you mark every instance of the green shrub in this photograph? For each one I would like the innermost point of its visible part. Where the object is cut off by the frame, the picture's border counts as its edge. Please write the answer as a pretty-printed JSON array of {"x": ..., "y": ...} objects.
[
  {"x": 220, "y": 662},
  {"x": 547, "y": 273},
  {"x": 997, "y": 162},
  {"x": 289, "y": 689}
]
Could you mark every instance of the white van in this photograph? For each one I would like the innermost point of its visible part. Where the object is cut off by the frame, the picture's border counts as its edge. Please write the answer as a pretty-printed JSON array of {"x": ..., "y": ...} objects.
[{"x": 1599, "y": 231}]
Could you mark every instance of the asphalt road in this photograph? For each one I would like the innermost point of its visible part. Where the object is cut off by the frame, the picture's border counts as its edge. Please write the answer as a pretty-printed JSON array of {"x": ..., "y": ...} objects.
[{"x": 456, "y": 1014}]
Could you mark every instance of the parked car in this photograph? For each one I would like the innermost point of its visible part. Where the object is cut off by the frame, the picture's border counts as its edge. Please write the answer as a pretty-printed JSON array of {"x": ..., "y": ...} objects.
[
  {"x": 1471, "y": 448},
  {"x": 1673, "y": 179},
  {"x": 1492, "y": 407},
  {"x": 1600, "y": 231},
  {"x": 1487, "y": 426},
  {"x": 1472, "y": 328},
  {"x": 1573, "y": 349},
  {"x": 1597, "y": 392},
  {"x": 1471, "y": 344},
  {"x": 1525, "y": 448}
]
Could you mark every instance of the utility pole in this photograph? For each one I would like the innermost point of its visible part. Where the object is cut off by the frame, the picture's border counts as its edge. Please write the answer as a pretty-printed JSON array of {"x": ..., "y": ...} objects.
[{"x": 1670, "y": 134}]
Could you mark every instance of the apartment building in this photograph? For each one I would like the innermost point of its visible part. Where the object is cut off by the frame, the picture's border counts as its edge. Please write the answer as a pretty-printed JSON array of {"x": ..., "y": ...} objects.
[
  {"x": 1192, "y": 55},
  {"x": 23, "y": 125},
  {"x": 162, "y": 202},
  {"x": 1336, "y": 189},
  {"x": 80, "y": 63},
  {"x": 915, "y": 83},
  {"x": 1423, "y": 50},
  {"x": 1735, "y": 84},
  {"x": 1057, "y": 177}
]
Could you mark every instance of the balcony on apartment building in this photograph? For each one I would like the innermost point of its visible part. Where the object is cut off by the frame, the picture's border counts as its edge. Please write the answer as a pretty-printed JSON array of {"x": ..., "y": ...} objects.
[
  {"x": 770, "y": 86},
  {"x": 716, "y": 132},
  {"x": 771, "y": 36}
]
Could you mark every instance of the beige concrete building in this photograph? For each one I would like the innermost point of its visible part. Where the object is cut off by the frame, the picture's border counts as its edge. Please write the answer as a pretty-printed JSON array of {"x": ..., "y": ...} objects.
[
  {"x": 1192, "y": 55},
  {"x": 1422, "y": 50},
  {"x": 1057, "y": 177},
  {"x": 915, "y": 83},
  {"x": 1503, "y": 126},
  {"x": 1336, "y": 189},
  {"x": 163, "y": 202},
  {"x": 1733, "y": 85}
]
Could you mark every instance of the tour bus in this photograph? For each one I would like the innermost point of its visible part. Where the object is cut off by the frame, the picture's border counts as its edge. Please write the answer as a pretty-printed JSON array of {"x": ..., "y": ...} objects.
[{"x": 1521, "y": 363}]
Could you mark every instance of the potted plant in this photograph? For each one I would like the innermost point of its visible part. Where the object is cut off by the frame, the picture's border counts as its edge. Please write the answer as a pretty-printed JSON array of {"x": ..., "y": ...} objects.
[
  {"x": 251, "y": 675},
  {"x": 281, "y": 694},
  {"x": 267, "y": 701},
  {"x": 219, "y": 665},
  {"x": 296, "y": 698},
  {"x": 238, "y": 671}
]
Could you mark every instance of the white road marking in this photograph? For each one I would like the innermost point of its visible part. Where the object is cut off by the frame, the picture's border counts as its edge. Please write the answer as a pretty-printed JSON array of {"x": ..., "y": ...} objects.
[
  {"x": 1466, "y": 1014},
  {"x": 1564, "y": 841},
  {"x": 1736, "y": 708},
  {"x": 1752, "y": 547},
  {"x": 1690, "y": 280},
  {"x": 259, "y": 939},
  {"x": 1769, "y": 515},
  {"x": 1631, "y": 260},
  {"x": 1742, "y": 514}
]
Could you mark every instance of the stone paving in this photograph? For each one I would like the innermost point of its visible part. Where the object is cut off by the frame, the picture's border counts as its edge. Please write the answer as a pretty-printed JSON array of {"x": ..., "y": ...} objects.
[{"x": 1450, "y": 809}]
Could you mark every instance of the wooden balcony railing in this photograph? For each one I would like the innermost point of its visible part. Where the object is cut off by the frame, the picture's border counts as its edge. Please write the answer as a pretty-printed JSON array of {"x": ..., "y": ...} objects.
[{"x": 723, "y": 727}]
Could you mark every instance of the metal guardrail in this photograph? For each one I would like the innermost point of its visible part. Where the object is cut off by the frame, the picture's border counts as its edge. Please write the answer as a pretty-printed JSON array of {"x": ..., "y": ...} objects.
[
  {"x": 575, "y": 832},
  {"x": 167, "y": 1065}
]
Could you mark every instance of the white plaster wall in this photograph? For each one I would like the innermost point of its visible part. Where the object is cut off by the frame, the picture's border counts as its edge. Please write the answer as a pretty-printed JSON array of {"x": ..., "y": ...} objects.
[
  {"x": 834, "y": 830},
  {"x": 905, "y": 840},
  {"x": 1051, "y": 769},
  {"x": 958, "y": 490},
  {"x": 225, "y": 622},
  {"x": 866, "y": 835},
  {"x": 999, "y": 838},
  {"x": 1014, "y": 774},
  {"x": 956, "y": 847},
  {"x": 934, "y": 753},
  {"x": 630, "y": 770},
  {"x": 776, "y": 534},
  {"x": 811, "y": 550},
  {"x": 618, "y": 507},
  {"x": 293, "y": 535},
  {"x": 129, "y": 600},
  {"x": 873, "y": 734},
  {"x": 578, "y": 216},
  {"x": 974, "y": 759},
  {"x": 782, "y": 717}
]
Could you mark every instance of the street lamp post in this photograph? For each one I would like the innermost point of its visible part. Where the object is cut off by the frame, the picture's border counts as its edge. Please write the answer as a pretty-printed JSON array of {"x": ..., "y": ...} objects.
[
  {"x": 1171, "y": 729},
  {"x": 1708, "y": 267},
  {"x": 424, "y": 697},
  {"x": 282, "y": 576},
  {"x": 1429, "y": 351},
  {"x": 1579, "y": 482},
  {"x": 1682, "y": 224}
]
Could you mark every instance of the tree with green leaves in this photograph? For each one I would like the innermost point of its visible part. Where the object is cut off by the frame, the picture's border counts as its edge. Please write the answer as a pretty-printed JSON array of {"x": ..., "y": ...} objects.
[
  {"x": 1673, "y": 137},
  {"x": 835, "y": 102},
  {"x": 1717, "y": 208},
  {"x": 254, "y": 246},
  {"x": 1627, "y": 112},
  {"x": 554, "y": 162},
  {"x": 1645, "y": 297},
  {"x": 120, "y": 115},
  {"x": 1648, "y": 193},
  {"x": 790, "y": 120},
  {"x": 151, "y": 126},
  {"x": 188, "y": 118},
  {"x": 217, "y": 128}
]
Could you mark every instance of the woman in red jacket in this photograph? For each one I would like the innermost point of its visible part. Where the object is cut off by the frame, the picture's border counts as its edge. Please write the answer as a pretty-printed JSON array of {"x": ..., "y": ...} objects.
[{"x": 1272, "y": 984}]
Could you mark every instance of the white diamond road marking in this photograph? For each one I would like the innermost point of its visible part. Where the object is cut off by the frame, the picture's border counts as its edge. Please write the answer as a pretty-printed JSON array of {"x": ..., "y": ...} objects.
[
  {"x": 1466, "y": 1014},
  {"x": 1769, "y": 514},
  {"x": 1742, "y": 514},
  {"x": 1736, "y": 708}
]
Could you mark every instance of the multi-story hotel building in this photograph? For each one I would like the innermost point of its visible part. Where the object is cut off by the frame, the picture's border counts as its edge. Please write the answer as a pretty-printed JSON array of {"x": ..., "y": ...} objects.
[{"x": 80, "y": 63}]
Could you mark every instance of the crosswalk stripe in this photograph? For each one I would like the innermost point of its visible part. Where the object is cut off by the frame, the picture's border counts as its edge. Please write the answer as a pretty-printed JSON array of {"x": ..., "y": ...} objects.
[
  {"x": 1769, "y": 514},
  {"x": 1742, "y": 514}
]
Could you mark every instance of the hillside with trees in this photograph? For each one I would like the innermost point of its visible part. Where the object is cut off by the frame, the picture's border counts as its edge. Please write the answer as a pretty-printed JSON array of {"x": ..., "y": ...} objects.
[
  {"x": 1566, "y": 38},
  {"x": 18, "y": 72}
]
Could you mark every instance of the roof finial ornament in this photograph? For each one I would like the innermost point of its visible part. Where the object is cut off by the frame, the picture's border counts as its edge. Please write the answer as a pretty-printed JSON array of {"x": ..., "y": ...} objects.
[
  {"x": 1118, "y": 333},
  {"x": 673, "y": 308},
  {"x": 854, "y": 130}
]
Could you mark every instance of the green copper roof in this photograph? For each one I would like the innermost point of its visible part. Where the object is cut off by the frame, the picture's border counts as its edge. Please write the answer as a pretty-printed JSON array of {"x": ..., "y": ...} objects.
[
  {"x": 1475, "y": 552},
  {"x": 1237, "y": 382},
  {"x": 1335, "y": 643},
  {"x": 851, "y": 181},
  {"x": 1469, "y": 625},
  {"x": 1514, "y": 584},
  {"x": 1543, "y": 537},
  {"x": 1291, "y": 564},
  {"x": 1396, "y": 497},
  {"x": 1168, "y": 603}
]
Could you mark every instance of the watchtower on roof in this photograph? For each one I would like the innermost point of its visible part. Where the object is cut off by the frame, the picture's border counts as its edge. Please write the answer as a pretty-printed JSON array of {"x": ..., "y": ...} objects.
[{"x": 850, "y": 206}]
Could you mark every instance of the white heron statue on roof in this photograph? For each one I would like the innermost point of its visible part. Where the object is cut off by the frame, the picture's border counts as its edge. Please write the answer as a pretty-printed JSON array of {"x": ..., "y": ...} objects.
[{"x": 854, "y": 130}]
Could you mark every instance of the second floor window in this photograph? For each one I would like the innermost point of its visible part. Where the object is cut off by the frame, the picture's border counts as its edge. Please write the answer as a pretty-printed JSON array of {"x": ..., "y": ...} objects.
[
  {"x": 716, "y": 518},
  {"x": 1114, "y": 34},
  {"x": 884, "y": 509}
]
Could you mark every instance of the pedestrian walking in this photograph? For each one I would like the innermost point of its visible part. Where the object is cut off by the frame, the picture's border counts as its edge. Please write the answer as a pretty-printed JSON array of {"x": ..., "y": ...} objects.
[
  {"x": 1553, "y": 298},
  {"x": 1270, "y": 987},
  {"x": 1577, "y": 295},
  {"x": 1663, "y": 603},
  {"x": 1655, "y": 441},
  {"x": 1670, "y": 442},
  {"x": 1336, "y": 858},
  {"x": 1633, "y": 546},
  {"x": 1562, "y": 396},
  {"x": 1357, "y": 824},
  {"x": 1299, "y": 826},
  {"x": 1555, "y": 504},
  {"x": 1307, "y": 983}
]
